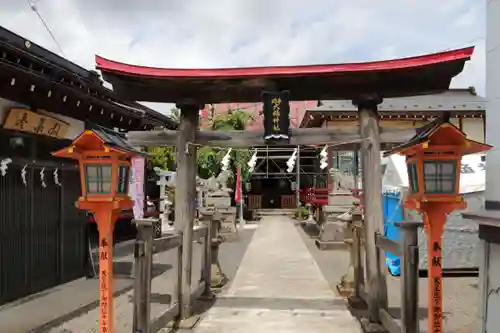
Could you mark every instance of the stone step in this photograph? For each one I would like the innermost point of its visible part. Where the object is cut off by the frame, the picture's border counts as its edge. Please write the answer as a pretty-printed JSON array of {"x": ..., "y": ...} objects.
[{"x": 274, "y": 212}]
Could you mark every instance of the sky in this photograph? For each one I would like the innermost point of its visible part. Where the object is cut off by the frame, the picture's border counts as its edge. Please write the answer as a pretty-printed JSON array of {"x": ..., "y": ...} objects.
[{"x": 233, "y": 33}]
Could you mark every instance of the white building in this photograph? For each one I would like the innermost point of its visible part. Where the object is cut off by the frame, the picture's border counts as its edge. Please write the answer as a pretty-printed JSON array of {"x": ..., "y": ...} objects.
[{"x": 489, "y": 219}]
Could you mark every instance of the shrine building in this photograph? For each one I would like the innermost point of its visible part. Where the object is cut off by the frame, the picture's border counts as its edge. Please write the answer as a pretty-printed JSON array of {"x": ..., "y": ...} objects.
[
  {"x": 45, "y": 102},
  {"x": 271, "y": 186}
]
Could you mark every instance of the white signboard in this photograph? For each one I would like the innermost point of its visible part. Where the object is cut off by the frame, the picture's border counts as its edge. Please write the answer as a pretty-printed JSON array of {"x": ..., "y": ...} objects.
[{"x": 136, "y": 186}]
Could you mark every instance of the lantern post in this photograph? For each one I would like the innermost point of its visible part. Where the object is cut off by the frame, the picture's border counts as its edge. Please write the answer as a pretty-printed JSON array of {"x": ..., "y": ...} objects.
[
  {"x": 433, "y": 159},
  {"x": 104, "y": 162}
]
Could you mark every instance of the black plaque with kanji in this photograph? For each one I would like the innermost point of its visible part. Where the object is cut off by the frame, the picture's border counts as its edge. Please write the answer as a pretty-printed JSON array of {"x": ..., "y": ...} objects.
[{"x": 276, "y": 110}]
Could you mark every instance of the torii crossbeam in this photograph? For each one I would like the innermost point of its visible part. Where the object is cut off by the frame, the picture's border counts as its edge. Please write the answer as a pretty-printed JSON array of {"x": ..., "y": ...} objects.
[{"x": 248, "y": 139}]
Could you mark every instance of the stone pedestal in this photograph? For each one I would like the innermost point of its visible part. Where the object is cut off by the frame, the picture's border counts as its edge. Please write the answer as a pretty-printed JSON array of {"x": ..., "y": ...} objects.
[
  {"x": 334, "y": 230},
  {"x": 341, "y": 198},
  {"x": 217, "y": 279},
  {"x": 220, "y": 201},
  {"x": 348, "y": 281},
  {"x": 228, "y": 223}
]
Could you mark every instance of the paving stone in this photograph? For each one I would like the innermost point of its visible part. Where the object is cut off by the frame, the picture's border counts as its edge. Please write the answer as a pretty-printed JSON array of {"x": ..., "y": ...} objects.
[{"x": 278, "y": 288}]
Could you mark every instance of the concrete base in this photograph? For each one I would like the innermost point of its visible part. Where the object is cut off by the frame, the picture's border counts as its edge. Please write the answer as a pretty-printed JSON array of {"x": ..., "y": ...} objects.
[
  {"x": 369, "y": 327},
  {"x": 218, "y": 278},
  {"x": 330, "y": 245},
  {"x": 311, "y": 228},
  {"x": 345, "y": 290},
  {"x": 340, "y": 197},
  {"x": 332, "y": 234},
  {"x": 273, "y": 212},
  {"x": 185, "y": 324},
  {"x": 346, "y": 286}
]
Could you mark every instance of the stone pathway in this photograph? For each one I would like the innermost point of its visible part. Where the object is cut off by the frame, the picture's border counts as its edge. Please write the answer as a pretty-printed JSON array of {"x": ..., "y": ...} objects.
[{"x": 278, "y": 288}]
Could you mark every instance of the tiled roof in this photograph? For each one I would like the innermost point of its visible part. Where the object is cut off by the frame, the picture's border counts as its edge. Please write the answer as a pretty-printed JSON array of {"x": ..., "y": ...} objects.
[
  {"x": 452, "y": 100},
  {"x": 112, "y": 138}
]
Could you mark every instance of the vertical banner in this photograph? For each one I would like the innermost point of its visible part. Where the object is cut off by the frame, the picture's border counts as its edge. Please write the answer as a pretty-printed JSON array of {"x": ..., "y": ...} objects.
[
  {"x": 136, "y": 186},
  {"x": 237, "y": 191},
  {"x": 276, "y": 110}
]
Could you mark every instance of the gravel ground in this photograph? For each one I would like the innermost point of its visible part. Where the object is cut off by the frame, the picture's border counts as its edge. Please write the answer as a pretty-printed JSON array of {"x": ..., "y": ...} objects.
[{"x": 460, "y": 294}]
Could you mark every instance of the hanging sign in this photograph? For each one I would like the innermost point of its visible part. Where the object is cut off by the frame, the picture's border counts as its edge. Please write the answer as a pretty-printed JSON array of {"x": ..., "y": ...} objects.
[
  {"x": 136, "y": 185},
  {"x": 31, "y": 122},
  {"x": 276, "y": 110}
]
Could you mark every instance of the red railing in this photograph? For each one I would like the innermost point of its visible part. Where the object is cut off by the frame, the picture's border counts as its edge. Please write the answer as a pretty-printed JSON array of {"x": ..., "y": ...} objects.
[
  {"x": 319, "y": 196},
  {"x": 254, "y": 201},
  {"x": 288, "y": 201}
]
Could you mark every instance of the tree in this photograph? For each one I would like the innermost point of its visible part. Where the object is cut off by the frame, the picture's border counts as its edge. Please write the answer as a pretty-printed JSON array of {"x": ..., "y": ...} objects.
[
  {"x": 164, "y": 157},
  {"x": 209, "y": 159}
]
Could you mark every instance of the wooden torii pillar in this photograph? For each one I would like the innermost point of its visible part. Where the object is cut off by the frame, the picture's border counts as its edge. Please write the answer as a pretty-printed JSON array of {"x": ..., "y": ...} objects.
[
  {"x": 185, "y": 194},
  {"x": 372, "y": 191}
]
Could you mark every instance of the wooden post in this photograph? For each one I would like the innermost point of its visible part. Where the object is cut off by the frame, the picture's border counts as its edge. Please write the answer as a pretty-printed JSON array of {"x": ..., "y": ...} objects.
[
  {"x": 372, "y": 191},
  {"x": 185, "y": 196},
  {"x": 105, "y": 219},
  {"x": 409, "y": 276},
  {"x": 143, "y": 258},
  {"x": 434, "y": 220},
  {"x": 207, "y": 260},
  {"x": 359, "y": 275}
]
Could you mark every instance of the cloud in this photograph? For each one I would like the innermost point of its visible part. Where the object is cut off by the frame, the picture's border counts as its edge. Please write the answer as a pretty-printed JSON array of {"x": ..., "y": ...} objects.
[{"x": 229, "y": 33}]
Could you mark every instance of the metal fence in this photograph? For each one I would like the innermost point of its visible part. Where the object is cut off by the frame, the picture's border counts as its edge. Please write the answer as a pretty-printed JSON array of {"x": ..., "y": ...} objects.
[{"x": 42, "y": 234}]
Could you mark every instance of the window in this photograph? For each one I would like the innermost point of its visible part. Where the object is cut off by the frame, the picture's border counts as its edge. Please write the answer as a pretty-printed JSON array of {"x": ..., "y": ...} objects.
[
  {"x": 439, "y": 177},
  {"x": 412, "y": 175},
  {"x": 98, "y": 178},
  {"x": 123, "y": 177}
]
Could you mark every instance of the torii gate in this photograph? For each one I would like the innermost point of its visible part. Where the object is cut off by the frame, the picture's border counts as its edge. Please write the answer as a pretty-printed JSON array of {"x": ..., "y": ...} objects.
[{"x": 366, "y": 84}]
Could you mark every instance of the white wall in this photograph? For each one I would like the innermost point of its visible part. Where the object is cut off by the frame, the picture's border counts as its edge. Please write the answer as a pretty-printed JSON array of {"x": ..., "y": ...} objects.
[
  {"x": 474, "y": 128},
  {"x": 490, "y": 269},
  {"x": 492, "y": 289},
  {"x": 493, "y": 99}
]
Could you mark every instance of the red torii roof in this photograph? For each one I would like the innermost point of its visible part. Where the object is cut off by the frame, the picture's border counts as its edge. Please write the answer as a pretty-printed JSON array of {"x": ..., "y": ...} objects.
[{"x": 399, "y": 77}]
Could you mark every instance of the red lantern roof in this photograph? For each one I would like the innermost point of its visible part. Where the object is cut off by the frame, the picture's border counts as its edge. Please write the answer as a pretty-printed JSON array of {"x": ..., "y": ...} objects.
[{"x": 95, "y": 139}]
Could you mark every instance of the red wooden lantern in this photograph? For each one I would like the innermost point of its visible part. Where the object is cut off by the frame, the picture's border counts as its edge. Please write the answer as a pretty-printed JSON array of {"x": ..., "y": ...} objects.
[
  {"x": 433, "y": 158},
  {"x": 104, "y": 159}
]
